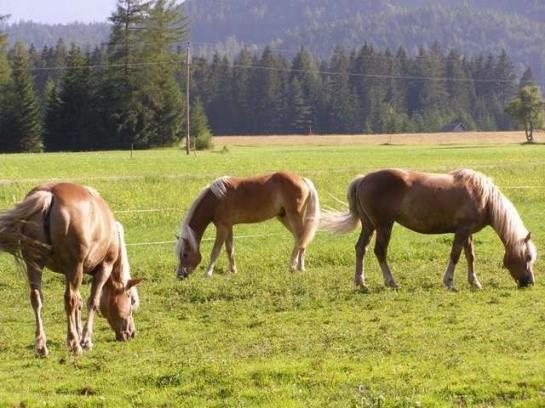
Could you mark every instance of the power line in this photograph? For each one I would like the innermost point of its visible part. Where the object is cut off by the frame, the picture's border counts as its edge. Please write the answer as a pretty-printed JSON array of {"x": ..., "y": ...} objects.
[{"x": 290, "y": 70}]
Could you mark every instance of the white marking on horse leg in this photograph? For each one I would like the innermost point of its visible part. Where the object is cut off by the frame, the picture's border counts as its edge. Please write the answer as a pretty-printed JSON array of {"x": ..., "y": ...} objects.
[
  {"x": 301, "y": 260},
  {"x": 71, "y": 296},
  {"x": 460, "y": 238},
  {"x": 221, "y": 235},
  {"x": 36, "y": 300},
  {"x": 387, "y": 274},
  {"x": 294, "y": 257},
  {"x": 101, "y": 275},
  {"x": 448, "y": 278},
  {"x": 230, "y": 249},
  {"x": 361, "y": 249},
  {"x": 470, "y": 257}
]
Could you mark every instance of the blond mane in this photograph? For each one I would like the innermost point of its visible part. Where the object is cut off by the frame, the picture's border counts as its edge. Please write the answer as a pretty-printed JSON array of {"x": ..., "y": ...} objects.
[
  {"x": 219, "y": 189},
  {"x": 125, "y": 268},
  {"x": 504, "y": 218}
]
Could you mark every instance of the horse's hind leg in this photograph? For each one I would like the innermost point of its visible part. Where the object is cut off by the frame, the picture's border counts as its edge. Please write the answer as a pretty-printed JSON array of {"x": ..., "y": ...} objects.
[
  {"x": 470, "y": 257},
  {"x": 100, "y": 276},
  {"x": 381, "y": 248},
  {"x": 221, "y": 235},
  {"x": 71, "y": 303},
  {"x": 34, "y": 273},
  {"x": 361, "y": 248},
  {"x": 294, "y": 223},
  {"x": 230, "y": 249}
]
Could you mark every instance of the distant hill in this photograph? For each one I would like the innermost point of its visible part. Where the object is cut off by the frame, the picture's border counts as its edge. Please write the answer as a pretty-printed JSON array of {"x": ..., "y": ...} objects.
[
  {"x": 471, "y": 26},
  {"x": 86, "y": 35}
]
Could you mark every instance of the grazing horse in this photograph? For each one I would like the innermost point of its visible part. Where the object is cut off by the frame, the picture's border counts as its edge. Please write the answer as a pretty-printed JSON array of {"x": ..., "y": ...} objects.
[
  {"x": 71, "y": 230},
  {"x": 462, "y": 202},
  {"x": 228, "y": 201}
]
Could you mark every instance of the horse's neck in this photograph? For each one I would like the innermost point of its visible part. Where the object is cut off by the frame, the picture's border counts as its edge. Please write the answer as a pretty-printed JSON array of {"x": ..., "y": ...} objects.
[
  {"x": 202, "y": 217},
  {"x": 506, "y": 221}
]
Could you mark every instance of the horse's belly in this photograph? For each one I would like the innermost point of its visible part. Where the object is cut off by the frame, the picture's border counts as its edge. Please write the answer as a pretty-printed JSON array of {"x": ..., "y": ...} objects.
[{"x": 429, "y": 223}]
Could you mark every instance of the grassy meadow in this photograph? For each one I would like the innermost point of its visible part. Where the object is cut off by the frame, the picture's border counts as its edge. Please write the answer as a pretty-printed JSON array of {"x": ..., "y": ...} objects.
[{"x": 269, "y": 337}]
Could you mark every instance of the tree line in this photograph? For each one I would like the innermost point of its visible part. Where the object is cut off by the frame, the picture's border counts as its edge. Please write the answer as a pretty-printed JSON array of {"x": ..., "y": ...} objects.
[
  {"x": 357, "y": 91},
  {"x": 130, "y": 91}
]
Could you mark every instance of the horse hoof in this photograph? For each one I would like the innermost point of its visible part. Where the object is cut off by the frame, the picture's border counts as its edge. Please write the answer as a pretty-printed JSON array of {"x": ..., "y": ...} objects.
[
  {"x": 74, "y": 347},
  {"x": 233, "y": 270},
  {"x": 452, "y": 289},
  {"x": 87, "y": 344},
  {"x": 392, "y": 285},
  {"x": 476, "y": 286},
  {"x": 42, "y": 351},
  {"x": 361, "y": 286}
]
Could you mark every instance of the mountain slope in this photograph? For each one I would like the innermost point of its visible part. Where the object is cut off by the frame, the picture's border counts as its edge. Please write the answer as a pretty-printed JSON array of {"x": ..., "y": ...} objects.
[{"x": 472, "y": 26}]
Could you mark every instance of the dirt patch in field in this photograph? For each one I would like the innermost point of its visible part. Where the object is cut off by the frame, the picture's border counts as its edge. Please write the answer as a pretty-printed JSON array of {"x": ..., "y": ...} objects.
[{"x": 394, "y": 139}]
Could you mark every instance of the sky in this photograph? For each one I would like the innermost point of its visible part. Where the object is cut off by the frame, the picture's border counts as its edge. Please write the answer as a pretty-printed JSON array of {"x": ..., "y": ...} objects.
[{"x": 57, "y": 11}]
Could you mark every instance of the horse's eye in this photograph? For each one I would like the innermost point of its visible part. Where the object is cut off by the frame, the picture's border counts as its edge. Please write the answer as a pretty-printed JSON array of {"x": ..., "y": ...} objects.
[{"x": 185, "y": 255}]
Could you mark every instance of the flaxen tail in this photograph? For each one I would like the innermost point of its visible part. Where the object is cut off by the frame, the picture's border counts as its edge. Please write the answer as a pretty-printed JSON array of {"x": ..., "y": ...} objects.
[
  {"x": 12, "y": 223},
  {"x": 312, "y": 214},
  {"x": 343, "y": 222}
]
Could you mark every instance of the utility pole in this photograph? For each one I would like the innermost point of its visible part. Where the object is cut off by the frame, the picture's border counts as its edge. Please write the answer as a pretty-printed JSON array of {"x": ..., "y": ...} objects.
[{"x": 188, "y": 64}]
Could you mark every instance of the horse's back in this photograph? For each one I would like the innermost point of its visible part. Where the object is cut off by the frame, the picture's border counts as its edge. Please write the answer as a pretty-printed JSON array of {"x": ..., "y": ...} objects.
[
  {"x": 258, "y": 198},
  {"x": 423, "y": 202},
  {"x": 80, "y": 225}
]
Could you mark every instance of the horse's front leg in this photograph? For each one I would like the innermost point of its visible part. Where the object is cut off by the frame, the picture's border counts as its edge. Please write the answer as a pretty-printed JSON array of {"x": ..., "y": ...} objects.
[
  {"x": 100, "y": 276},
  {"x": 229, "y": 247},
  {"x": 71, "y": 303},
  {"x": 460, "y": 239},
  {"x": 221, "y": 234},
  {"x": 470, "y": 257},
  {"x": 34, "y": 274}
]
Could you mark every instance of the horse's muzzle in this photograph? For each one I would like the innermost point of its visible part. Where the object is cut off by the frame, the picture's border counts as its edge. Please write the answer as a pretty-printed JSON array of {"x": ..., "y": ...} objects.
[
  {"x": 183, "y": 273},
  {"x": 125, "y": 335},
  {"x": 526, "y": 282}
]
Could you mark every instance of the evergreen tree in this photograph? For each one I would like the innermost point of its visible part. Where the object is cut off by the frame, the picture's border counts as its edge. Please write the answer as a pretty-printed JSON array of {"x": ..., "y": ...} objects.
[
  {"x": 53, "y": 122},
  {"x": 5, "y": 91},
  {"x": 244, "y": 121},
  {"x": 200, "y": 132},
  {"x": 343, "y": 106},
  {"x": 123, "y": 84},
  {"x": 76, "y": 131},
  {"x": 527, "y": 78},
  {"x": 162, "y": 100},
  {"x": 306, "y": 71},
  {"x": 269, "y": 91},
  {"x": 298, "y": 111},
  {"x": 24, "y": 117}
]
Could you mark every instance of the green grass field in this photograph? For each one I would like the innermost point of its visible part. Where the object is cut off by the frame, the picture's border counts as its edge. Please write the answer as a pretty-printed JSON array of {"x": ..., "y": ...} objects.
[{"x": 269, "y": 337}]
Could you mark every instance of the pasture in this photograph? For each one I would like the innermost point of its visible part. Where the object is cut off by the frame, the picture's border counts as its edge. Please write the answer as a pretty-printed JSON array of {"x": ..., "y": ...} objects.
[{"x": 269, "y": 337}]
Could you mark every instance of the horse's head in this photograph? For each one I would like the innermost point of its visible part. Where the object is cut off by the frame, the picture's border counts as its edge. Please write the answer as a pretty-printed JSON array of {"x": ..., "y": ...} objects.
[
  {"x": 189, "y": 257},
  {"x": 117, "y": 305},
  {"x": 520, "y": 262}
]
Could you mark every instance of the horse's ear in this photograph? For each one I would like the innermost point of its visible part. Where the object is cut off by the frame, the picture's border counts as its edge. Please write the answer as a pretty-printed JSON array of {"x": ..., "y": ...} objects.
[
  {"x": 528, "y": 237},
  {"x": 133, "y": 282}
]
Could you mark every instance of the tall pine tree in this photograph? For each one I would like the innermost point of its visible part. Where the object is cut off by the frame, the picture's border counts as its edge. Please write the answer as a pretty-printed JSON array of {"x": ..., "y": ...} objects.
[{"x": 25, "y": 127}]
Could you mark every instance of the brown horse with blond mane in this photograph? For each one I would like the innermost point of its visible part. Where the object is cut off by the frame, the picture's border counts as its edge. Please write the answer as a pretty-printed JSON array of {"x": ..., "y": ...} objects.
[
  {"x": 462, "y": 202},
  {"x": 293, "y": 200},
  {"x": 71, "y": 230}
]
